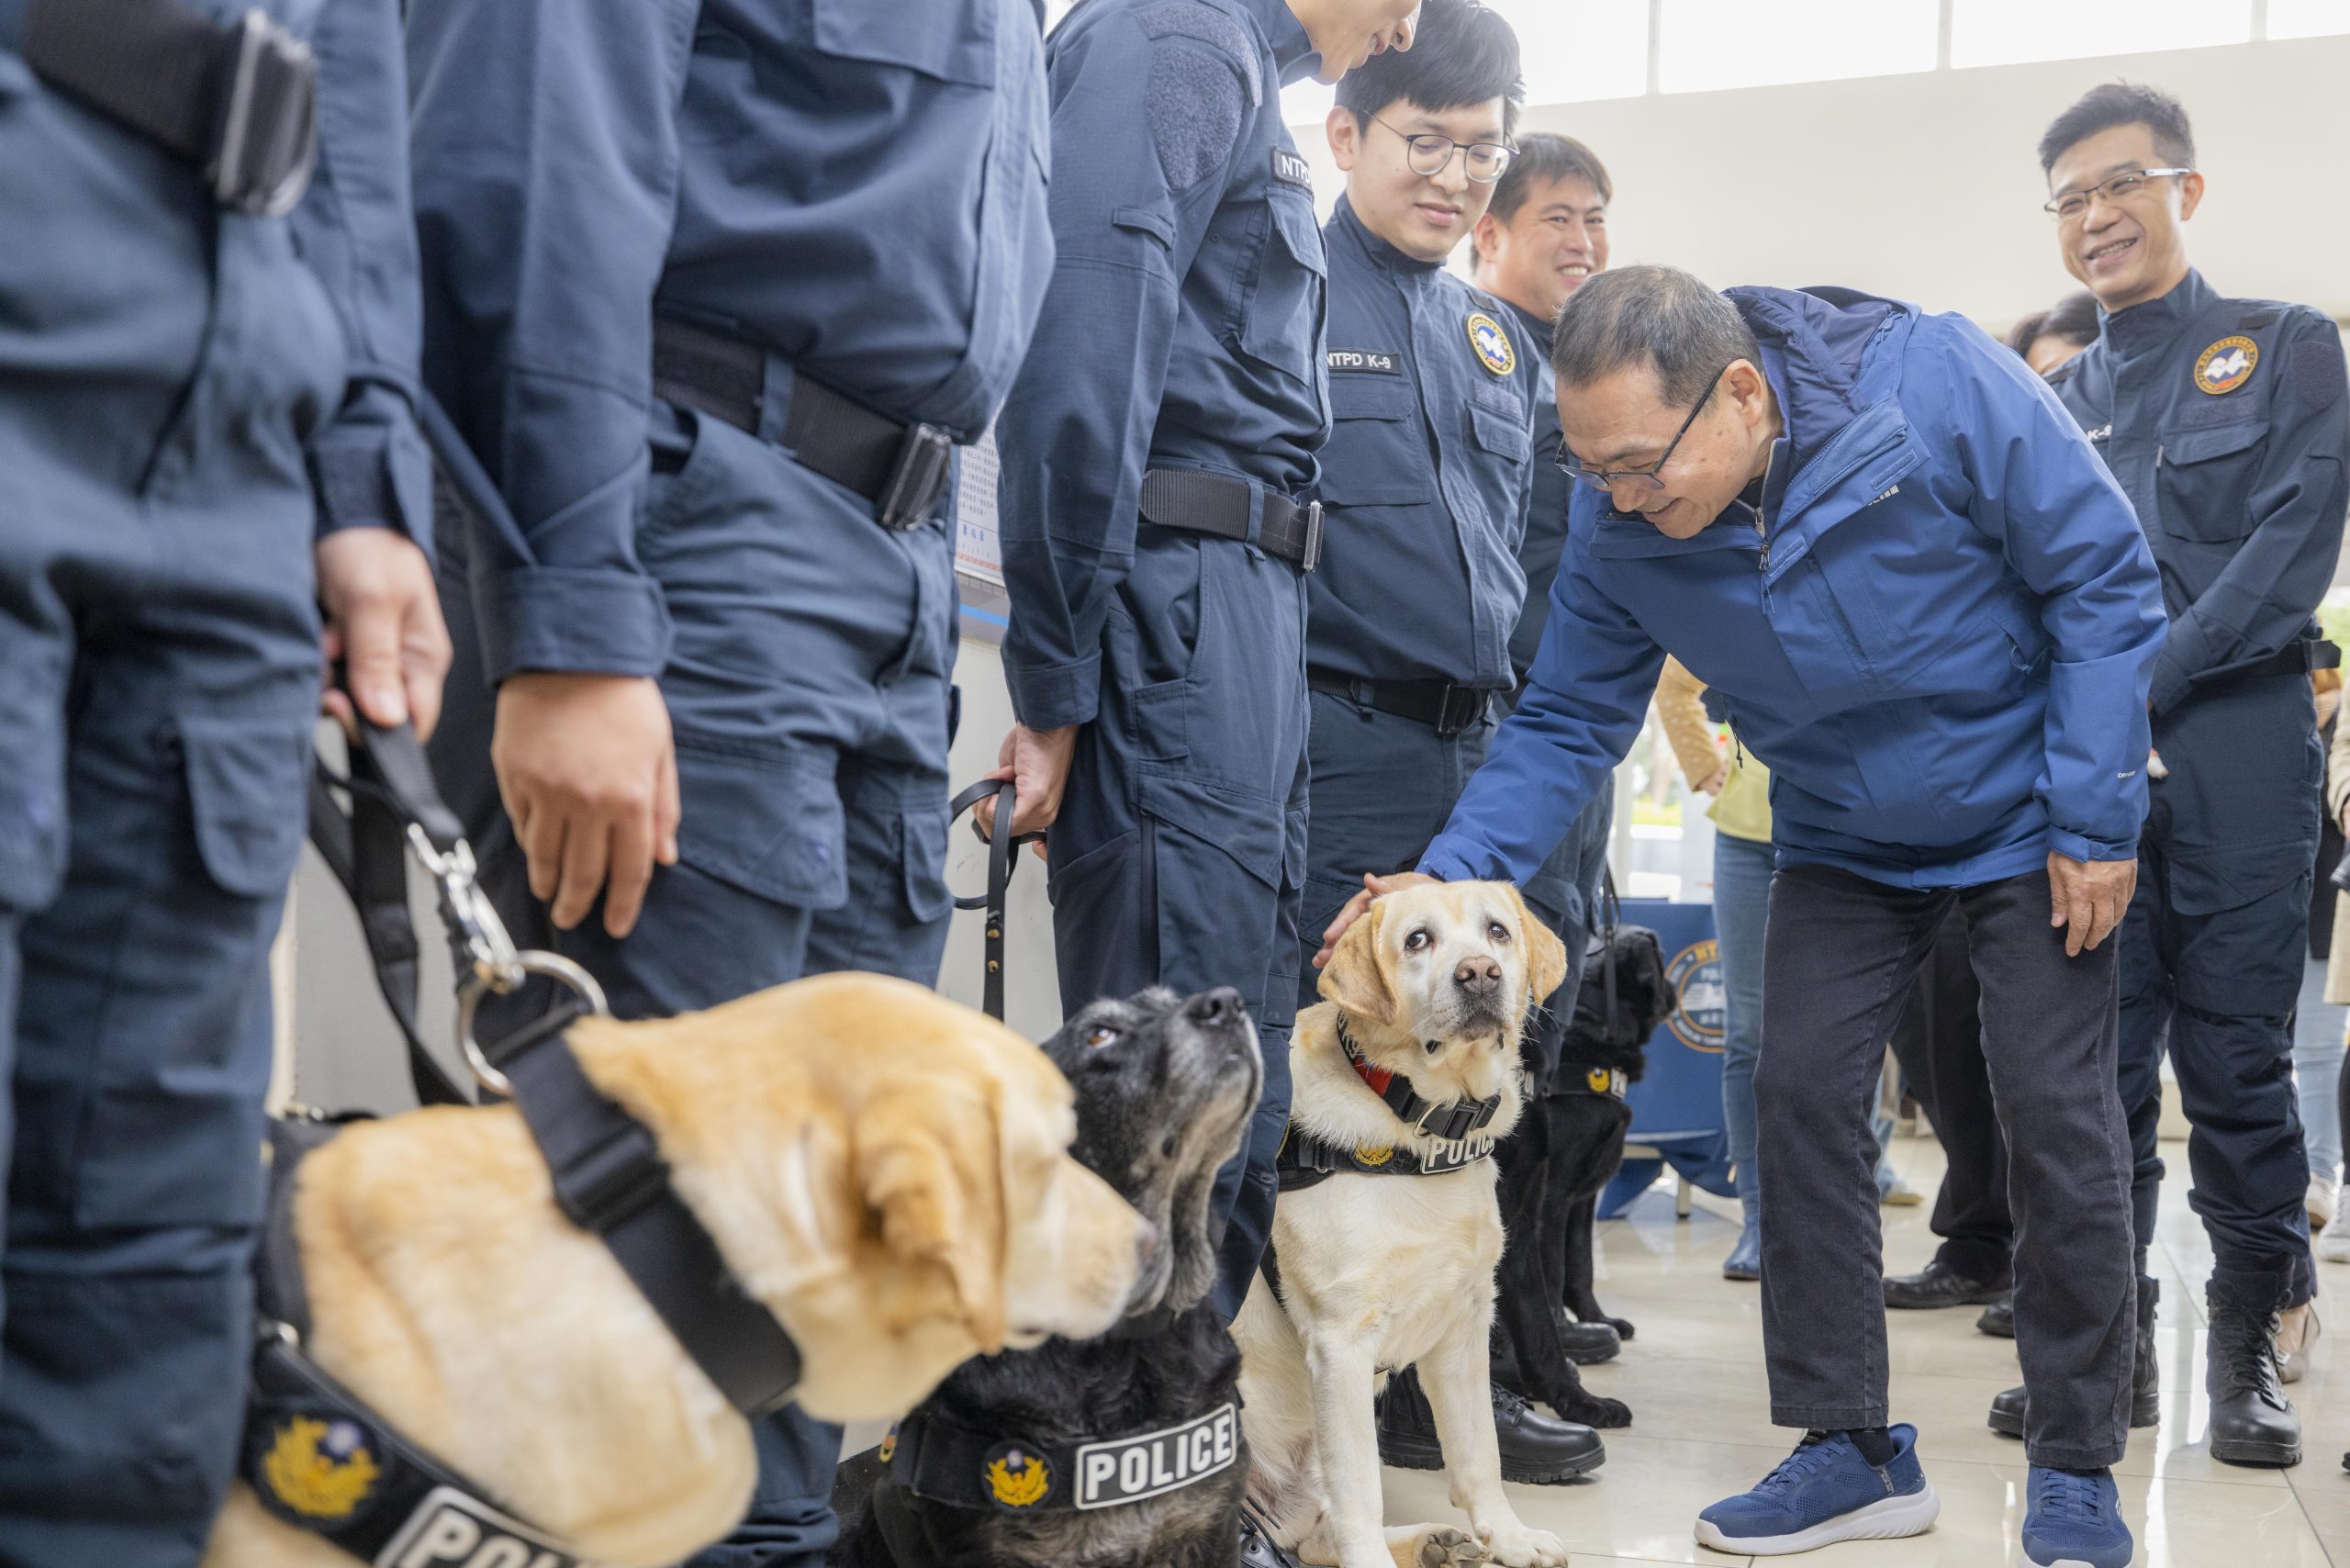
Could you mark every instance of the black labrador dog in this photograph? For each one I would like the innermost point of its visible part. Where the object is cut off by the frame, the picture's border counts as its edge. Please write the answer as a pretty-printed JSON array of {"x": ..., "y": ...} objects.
[
  {"x": 1116, "y": 1451},
  {"x": 1552, "y": 1168}
]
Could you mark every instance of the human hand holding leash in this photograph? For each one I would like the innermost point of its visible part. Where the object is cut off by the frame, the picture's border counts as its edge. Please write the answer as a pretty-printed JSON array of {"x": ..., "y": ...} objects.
[
  {"x": 1037, "y": 764},
  {"x": 2088, "y": 898},
  {"x": 1372, "y": 887},
  {"x": 588, "y": 773},
  {"x": 383, "y": 627}
]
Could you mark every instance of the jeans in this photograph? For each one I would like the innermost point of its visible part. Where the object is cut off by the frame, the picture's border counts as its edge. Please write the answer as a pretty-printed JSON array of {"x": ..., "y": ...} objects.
[
  {"x": 2316, "y": 1071},
  {"x": 1842, "y": 952},
  {"x": 1741, "y": 912}
]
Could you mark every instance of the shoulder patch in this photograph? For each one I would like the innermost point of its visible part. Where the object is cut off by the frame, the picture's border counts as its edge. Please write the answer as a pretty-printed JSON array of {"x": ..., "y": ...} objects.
[
  {"x": 1219, "y": 29},
  {"x": 1492, "y": 344},
  {"x": 1196, "y": 107},
  {"x": 2226, "y": 365}
]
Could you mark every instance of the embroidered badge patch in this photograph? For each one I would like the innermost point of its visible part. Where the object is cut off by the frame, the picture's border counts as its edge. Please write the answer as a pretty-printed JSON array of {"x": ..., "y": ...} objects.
[
  {"x": 320, "y": 1469},
  {"x": 452, "y": 1531},
  {"x": 1131, "y": 1469},
  {"x": 1367, "y": 360},
  {"x": 1375, "y": 1155},
  {"x": 1017, "y": 1478},
  {"x": 1291, "y": 169},
  {"x": 1492, "y": 344},
  {"x": 1600, "y": 1080},
  {"x": 2226, "y": 364}
]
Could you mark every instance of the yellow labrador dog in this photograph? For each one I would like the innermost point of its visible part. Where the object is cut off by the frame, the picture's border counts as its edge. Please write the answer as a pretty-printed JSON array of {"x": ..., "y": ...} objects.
[
  {"x": 1380, "y": 1271},
  {"x": 886, "y": 1170}
]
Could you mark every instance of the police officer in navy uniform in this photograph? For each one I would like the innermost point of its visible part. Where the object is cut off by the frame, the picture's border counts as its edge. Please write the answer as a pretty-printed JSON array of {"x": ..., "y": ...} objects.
[
  {"x": 207, "y": 425},
  {"x": 713, "y": 290},
  {"x": 1158, "y": 531},
  {"x": 2228, "y": 424}
]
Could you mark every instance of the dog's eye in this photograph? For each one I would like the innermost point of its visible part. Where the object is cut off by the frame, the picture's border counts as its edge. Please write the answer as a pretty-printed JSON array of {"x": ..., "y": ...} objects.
[
  {"x": 1417, "y": 940},
  {"x": 1098, "y": 1035},
  {"x": 1498, "y": 931}
]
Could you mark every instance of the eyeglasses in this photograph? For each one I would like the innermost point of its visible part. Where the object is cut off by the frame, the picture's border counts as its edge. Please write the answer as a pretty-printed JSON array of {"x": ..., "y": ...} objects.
[
  {"x": 1485, "y": 160},
  {"x": 1649, "y": 479},
  {"x": 2119, "y": 188}
]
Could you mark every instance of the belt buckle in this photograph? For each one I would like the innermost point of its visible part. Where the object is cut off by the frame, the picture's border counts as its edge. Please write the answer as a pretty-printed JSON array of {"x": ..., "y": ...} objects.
[
  {"x": 266, "y": 140},
  {"x": 1312, "y": 555},
  {"x": 916, "y": 479},
  {"x": 1461, "y": 704}
]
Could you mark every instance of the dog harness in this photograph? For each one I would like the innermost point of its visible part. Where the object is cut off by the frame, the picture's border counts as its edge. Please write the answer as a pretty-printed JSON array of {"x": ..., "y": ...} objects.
[
  {"x": 1605, "y": 1083},
  {"x": 943, "y": 1462}
]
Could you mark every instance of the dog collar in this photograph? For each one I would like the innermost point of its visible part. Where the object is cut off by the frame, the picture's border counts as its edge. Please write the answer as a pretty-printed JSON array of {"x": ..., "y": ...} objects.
[
  {"x": 1305, "y": 1160},
  {"x": 1452, "y": 1122},
  {"x": 1608, "y": 1082},
  {"x": 943, "y": 1462}
]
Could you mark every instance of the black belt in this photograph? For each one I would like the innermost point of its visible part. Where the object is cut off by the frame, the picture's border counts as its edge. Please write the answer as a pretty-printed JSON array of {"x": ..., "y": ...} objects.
[
  {"x": 2297, "y": 657},
  {"x": 1446, "y": 708},
  {"x": 1220, "y": 504},
  {"x": 903, "y": 469},
  {"x": 238, "y": 99}
]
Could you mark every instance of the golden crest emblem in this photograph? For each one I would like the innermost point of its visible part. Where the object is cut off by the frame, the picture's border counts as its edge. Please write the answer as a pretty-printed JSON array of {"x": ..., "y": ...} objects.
[
  {"x": 2226, "y": 365},
  {"x": 1375, "y": 1155},
  {"x": 1601, "y": 1080},
  {"x": 1018, "y": 1479},
  {"x": 888, "y": 1449},
  {"x": 320, "y": 1469}
]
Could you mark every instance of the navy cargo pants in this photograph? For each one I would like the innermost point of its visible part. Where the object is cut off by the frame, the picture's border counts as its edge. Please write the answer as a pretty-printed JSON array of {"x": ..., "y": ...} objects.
[
  {"x": 162, "y": 361},
  {"x": 1179, "y": 856},
  {"x": 808, "y": 691},
  {"x": 2212, "y": 955}
]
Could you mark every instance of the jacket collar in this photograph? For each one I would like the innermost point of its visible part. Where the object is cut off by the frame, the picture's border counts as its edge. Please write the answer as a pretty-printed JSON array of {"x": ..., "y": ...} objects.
[
  {"x": 1351, "y": 231},
  {"x": 2152, "y": 327}
]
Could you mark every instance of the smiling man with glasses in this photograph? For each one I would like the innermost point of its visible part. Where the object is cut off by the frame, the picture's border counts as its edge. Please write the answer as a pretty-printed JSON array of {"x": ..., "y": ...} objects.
[{"x": 1877, "y": 537}]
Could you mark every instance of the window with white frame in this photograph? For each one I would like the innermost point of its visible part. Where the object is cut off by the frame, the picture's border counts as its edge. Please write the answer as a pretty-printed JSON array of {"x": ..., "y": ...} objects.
[
  {"x": 2011, "y": 32},
  {"x": 1703, "y": 45}
]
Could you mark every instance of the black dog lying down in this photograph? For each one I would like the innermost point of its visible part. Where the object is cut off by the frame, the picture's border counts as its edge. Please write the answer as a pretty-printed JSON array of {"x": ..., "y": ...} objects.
[
  {"x": 1119, "y": 1451},
  {"x": 1552, "y": 1168}
]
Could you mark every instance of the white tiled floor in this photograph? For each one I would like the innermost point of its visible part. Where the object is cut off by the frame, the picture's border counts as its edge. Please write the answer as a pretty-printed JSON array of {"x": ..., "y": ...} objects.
[{"x": 1694, "y": 1377}]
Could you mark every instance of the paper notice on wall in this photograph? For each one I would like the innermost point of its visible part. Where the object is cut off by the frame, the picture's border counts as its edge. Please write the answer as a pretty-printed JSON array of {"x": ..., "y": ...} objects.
[{"x": 976, "y": 553}]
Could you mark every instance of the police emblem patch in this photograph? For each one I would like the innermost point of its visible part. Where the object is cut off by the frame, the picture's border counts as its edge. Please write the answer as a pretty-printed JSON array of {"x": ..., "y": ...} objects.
[
  {"x": 1492, "y": 344},
  {"x": 1600, "y": 1080},
  {"x": 2226, "y": 365},
  {"x": 1127, "y": 1469},
  {"x": 320, "y": 1469},
  {"x": 450, "y": 1529},
  {"x": 888, "y": 1449},
  {"x": 1373, "y": 1155},
  {"x": 1017, "y": 1478}
]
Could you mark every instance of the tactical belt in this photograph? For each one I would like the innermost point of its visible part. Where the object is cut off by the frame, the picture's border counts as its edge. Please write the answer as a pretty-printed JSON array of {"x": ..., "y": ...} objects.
[
  {"x": 2297, "y": 657},
  {"x": 901, "y": 468},
  {"x": 1220, "y": 504},
  {"x": 238, "y": 100},
  {"x": 1444, "y": 707},
  {"x": 941, "y": 1461}
]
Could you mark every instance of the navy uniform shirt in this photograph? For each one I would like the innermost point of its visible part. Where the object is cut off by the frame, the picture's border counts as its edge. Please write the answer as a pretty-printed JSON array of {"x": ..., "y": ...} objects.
[
  {"x": 1424, "y": 482},
  {"x": 1547, "y": 492},
  {"x": 1183, "y": 328},
  {"x": 2226, "y": 422},
  {"x": 856, "y": 186}
]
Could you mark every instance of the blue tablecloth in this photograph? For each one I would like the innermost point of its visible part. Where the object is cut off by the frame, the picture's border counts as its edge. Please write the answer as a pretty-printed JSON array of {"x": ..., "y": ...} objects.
[{"x": 1677, "y": 1104}]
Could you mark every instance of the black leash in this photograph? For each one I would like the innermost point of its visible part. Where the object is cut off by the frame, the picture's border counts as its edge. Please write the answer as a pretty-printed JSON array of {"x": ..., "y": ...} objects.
[{"x": 1001, "y": 862}]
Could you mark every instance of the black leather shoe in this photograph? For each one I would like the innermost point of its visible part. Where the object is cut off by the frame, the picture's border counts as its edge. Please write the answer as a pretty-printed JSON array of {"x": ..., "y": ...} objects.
[
  {"x": 2252, "y": 1421},
  {"x": 1537, "y": 1450},
  {"x": 1998, "y": 1319},
  {"x": 2145, "y": 1372},
  {"x": 1939, "y": 1285},
  {"x": 1588, "y": 1344}
]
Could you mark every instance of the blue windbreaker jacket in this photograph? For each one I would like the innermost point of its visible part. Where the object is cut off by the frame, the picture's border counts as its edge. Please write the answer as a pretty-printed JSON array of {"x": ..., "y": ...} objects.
[{"x": 1937, "y": 630}]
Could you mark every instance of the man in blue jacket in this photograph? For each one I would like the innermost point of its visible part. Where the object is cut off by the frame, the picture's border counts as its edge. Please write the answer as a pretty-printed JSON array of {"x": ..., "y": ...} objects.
[
  {"x": 713, "y": 290},
  {"x": 1884, "y": 544},
  {"x": 1158, "y": 521},
  {"x": 207, "y": 429}
]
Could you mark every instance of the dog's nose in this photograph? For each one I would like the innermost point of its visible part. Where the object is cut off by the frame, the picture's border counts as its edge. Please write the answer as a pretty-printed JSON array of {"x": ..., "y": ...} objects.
[
  {"x": 1213, "y": 1009},
  {"x": 1478, "y": 974}
]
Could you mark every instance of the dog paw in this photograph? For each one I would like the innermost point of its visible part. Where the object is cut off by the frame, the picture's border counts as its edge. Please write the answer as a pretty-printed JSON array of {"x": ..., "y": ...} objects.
[
  {"x": 1441, "y": 1548},
  {"x": 1592, "y": 1411},
  {"x": 1523, "y": 1548}
]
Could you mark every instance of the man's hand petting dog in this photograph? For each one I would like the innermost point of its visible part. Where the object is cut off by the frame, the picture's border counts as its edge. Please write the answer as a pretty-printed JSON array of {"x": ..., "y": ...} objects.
[{"x": 1353, "y": 910}]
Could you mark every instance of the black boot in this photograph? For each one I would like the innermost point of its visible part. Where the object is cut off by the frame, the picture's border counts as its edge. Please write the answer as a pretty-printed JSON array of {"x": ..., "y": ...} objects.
[
  {"x": 1588, "y": 1344},
  {"x": 2146, "y": 1375},
  {"x": 2252, "y": 1421},
  {"x": 1537, "y": 1450},
  {"x": 1998, "y": 1319}
]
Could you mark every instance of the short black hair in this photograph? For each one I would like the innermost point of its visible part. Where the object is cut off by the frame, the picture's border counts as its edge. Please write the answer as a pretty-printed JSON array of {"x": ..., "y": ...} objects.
[
  {"x": 2074, "y": 318},
  {"x": 1463, "y": 53},
  {"x": 1542, "y": 157},
  {"x": 2122, "y": 102},
  {"x": 1659, "y": 315}
]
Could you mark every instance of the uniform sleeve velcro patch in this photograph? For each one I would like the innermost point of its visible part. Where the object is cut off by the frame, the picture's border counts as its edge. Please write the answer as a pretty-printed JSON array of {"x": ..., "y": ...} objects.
[
  {"x": 1196, "y": 104},
  {"x": 1189, "y": 20}
]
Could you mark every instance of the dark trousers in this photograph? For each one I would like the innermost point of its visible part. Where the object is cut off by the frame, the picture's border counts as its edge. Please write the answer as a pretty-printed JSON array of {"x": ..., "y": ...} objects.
[
  {"x": 1179, "y": 856},
  {"x": 160, "y": 359},
  {"x": 1842, "y": 953},
  {"x": 2211, "y": 962},
  {"x": 1939, "y": 1042},
  {"x": 808, "y": 691}
]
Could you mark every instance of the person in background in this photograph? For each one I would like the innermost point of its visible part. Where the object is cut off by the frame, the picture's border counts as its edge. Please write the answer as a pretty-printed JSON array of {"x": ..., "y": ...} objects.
[
  {"x": 2333, "y": 1245},
  {"x": 2049, "y": 338},
  {"x": 2227, "y": 422},
  {"x": 2319, "y": 1022}
]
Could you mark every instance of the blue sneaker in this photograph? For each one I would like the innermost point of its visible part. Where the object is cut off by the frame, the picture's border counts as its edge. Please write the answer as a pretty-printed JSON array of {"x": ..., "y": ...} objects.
[
  {"x": 1823, "y": 1493},
  {"x": 2074, "y": 1520}
]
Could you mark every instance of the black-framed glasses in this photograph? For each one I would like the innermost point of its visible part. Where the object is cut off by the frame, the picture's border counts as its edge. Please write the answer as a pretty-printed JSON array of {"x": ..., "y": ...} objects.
[
  {"x": 1649, "y": 479},
  {"x": 2115, "y": 189},
  {"x": 1485, "y": 160}
]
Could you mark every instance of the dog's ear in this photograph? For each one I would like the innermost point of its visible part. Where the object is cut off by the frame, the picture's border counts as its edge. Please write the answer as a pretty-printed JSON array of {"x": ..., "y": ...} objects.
[
  {"x": 1546, "y": 956},
  {"x": 931, "y": 1177},
  {"x": 1357, "y": 977}
]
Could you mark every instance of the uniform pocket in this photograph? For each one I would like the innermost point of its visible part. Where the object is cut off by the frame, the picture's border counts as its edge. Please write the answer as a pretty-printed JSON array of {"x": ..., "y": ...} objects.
[
  {"x": 1367, "y": 461},
  {"x": 1505, "y": 436},
  {"x": 1280, "y": 317},
  {"x": 951, "y": 40},
  {"x": 922, "y": 852},
  {"x": 246, "y": 778},
  {"x": 771, "y": 827},
  {"x": 2207, "y": 478}
]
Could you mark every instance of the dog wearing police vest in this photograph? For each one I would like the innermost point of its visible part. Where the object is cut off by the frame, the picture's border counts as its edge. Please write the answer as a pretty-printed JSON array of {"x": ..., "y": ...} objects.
[
  {"x": 885, "y": 1170},
  {"x": 1125, "y": 1451},
  {"x": 1374, "y": 1271}
]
